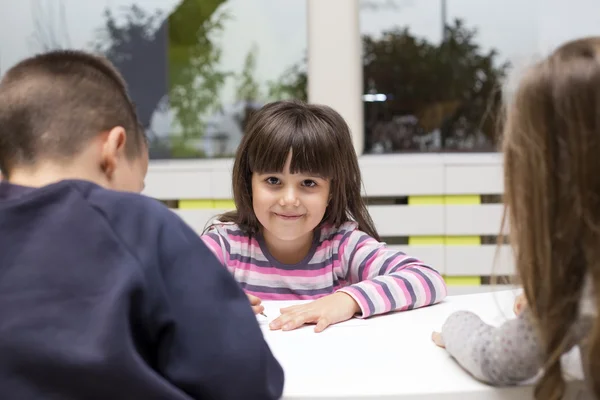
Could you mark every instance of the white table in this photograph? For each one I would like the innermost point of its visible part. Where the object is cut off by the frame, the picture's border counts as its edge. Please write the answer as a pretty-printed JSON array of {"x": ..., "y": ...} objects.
[{"x": 386, "y": 357}]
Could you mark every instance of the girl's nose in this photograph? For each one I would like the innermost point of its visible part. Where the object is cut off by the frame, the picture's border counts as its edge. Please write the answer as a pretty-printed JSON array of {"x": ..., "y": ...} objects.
[{"x": 289, "y": 197}]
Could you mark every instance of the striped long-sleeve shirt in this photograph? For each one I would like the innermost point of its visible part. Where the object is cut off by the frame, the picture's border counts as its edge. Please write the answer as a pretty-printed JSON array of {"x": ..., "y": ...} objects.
[{"x": 343, "y": 259}]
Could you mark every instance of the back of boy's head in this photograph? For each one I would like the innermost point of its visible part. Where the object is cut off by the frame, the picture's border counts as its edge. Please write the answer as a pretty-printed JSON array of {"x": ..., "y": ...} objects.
[
  {"x": 321, "y": 145},
  {"x": 551, "y": 150},
  {"x": 53, "y": 104}
]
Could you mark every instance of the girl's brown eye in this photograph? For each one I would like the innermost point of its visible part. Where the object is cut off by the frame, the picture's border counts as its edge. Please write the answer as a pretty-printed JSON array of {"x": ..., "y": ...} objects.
[
  {"x": 272, "y": 180},
  {"x": 309, "y": 183}
]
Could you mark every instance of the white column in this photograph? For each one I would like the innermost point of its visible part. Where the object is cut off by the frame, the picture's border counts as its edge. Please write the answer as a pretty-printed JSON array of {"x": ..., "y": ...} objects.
[{"x": 334, "y": 61}]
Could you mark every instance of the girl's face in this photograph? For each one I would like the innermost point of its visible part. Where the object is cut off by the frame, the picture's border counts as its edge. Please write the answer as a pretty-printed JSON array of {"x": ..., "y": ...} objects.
[{"x": 289, "y": 206}]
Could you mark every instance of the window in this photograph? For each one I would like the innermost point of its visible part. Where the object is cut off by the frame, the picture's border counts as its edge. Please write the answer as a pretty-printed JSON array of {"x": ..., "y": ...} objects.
[
  {"x": 196, "y": 69},
  {"x": 434, "y": 71}
]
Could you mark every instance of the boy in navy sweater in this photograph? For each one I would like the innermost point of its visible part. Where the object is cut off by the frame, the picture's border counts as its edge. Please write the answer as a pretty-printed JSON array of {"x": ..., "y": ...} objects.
[{"x": 106, "y": 294}]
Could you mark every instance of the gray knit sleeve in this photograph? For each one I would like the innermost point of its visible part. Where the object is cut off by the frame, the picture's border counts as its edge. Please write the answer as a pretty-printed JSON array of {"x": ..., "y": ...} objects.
[{"x": 504, "y": 355}]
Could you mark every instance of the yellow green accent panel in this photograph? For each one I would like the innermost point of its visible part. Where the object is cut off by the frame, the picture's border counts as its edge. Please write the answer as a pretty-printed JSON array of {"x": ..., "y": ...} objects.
[
  {"x": 226, "y": 204},
  {"x": 463, "y": 280}
]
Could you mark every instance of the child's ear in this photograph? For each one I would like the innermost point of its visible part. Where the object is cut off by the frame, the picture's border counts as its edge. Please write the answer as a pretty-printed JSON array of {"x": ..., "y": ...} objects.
[{"x": 113, "y": 147}]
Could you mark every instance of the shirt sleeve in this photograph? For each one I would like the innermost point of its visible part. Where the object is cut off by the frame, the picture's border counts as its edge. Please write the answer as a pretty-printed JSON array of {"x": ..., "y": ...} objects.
[
  {"x": 504, "y": 355},
  {"x": 383, "y": 279},
  {"x": 217, "y": 241},
  {"x": 209, "y": 336}
]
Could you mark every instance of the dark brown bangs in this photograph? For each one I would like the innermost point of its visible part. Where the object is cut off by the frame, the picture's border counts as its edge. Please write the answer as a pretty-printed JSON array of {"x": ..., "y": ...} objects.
[{"x": 311, "y": 140}]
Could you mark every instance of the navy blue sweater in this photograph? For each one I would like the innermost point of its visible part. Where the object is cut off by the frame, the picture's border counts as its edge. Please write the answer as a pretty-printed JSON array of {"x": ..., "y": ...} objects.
[{"x": 109, "y": 295}]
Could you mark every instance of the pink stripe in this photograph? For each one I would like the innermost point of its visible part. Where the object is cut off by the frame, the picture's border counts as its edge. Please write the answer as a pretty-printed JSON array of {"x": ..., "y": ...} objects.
[
  {"x": 367, "y": 268},
  {"x": 277, "y": 296},
  {"x": 425, "y": 286},
  {"x": 366, "y": 242},
  {"x": 326, "y": 270},
  {"x": 397, "y": 260},
  {"x": 244, "y": 240},
  {"x": 328, "y": 243},
  {"x": 342, "y": 250},
  {"x": 400, "y": 285},
  {"x": 214, "y": 247},
  {"x": 382, "y": 297}
]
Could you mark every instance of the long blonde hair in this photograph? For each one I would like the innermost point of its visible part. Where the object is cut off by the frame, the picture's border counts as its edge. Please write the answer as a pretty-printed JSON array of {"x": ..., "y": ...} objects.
[{"x": 551, "y": 146}]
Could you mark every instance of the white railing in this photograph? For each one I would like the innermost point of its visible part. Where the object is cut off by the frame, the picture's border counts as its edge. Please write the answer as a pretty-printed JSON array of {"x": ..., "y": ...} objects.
[{"x": 443, "y": 223}]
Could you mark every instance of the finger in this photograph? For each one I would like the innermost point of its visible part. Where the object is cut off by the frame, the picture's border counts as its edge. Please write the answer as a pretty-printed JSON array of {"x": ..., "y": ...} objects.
[
  {"x": 298, "y": 320},
  {"x": 288, "y": 322},
  {"x": 258, "y": 309},
  {"x": 275, "y": 324},
  {"x": 437, "y": 339},
  {"x": 280, "y": 321},
  {"x": 254, "y": 300},
  {"x": 289, "y": 309},
  {"x": 321, "y": 325}
]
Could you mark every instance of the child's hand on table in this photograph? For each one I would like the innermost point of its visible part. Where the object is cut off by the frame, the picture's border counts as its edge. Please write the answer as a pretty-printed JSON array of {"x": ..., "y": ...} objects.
[
  {"x": 255, "y": 302},
  {"x": 437, "y": 339},
  {"x": 328, "y": 310}
]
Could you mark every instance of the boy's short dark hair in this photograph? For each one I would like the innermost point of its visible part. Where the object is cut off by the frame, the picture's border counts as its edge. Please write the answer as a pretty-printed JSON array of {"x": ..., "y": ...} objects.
[{"x": 52, "y": 104}]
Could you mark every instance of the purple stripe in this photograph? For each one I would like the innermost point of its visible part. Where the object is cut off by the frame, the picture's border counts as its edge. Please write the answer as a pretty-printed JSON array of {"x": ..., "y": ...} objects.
[
  {"x": 387, "y": 262},
  {"x": 336, "y": 283},
  {"x": 227, "y": 245},
  {"x": 363, "y": 264},
  {"x": 215, "y": 236},
  {"x": 237, "y": 233},
  {"x": 411, "y": 291},
  {"x": 423, "y": 266},
  {"x": 427, "y": 280},
  {"x": 285, "y": 290},
  {"x": 268, "y": 264},
  {"x": 345, "y": 237},
  {"x": 387, "y": 292},
  {"x": 356, "y": 246},
  {"x": 334, "y": 233},
  {"x": 403, "y": 263},
  {"x": 368, "y": 300},
  {"x": 333, "y": 257}
]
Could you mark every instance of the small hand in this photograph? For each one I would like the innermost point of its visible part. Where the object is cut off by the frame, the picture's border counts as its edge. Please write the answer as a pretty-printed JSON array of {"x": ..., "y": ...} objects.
[
  {"x": 437, "y": 339},
  {"x": 255, "y": 302},
  {"x": 328, "y": 310},
  {"x": 520, "y": 303}
]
